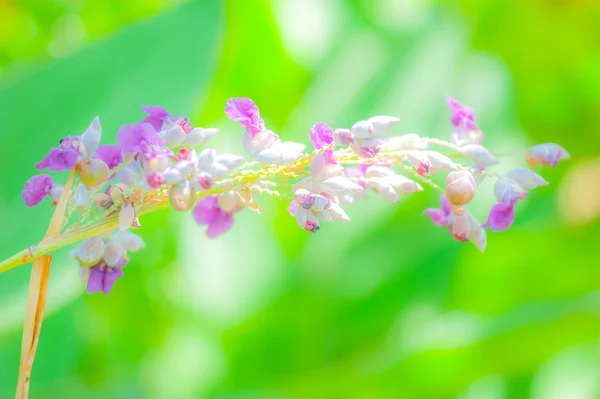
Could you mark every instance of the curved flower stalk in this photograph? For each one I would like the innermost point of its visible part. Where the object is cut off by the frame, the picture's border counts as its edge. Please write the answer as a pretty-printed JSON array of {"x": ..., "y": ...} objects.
[{"x": 156, "y": 164}]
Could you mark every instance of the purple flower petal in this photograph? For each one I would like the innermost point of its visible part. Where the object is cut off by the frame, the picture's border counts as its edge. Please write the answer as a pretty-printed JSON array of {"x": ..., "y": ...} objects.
[
  {"x": 246, "y": 112},
  {"x": 501, "y": 216},
  {"x": 36, "y": 189},
  {"x": 220, "y": 225},
  {"x": 292, "y": 208},
  {"x": 446, "y": 205},
  {"x": 321, "y": 135},
  {"x": 438, "y": 217},
  {"x": 59, "y": 159},
  {"x": 460, "y": 113},
  {"x": 156, "y": 116},
  {"x": 207, "y": 210},
  {"x": 110, "y": 154},
  {"x": 102, "y": 279},
  {"x": 141, "y": 138}
]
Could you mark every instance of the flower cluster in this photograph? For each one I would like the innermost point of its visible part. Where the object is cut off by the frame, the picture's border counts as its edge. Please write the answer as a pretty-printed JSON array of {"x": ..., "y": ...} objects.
[{"x": 156, "y": 162}]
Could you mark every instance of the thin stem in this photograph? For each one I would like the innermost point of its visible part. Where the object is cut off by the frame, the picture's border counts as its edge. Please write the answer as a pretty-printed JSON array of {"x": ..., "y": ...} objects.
[{"x": 36, "y": 303}]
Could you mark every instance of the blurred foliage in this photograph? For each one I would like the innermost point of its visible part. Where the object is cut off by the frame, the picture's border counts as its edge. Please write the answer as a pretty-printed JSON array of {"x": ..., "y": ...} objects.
[{"x": 386, "y": 307}]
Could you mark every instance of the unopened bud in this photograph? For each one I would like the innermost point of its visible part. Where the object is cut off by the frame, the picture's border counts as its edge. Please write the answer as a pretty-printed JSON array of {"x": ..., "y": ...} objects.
[
  {"x": 460, "y": 187},
  {"x": 93, "y": 172},
  {"x": 182, "y": 196}
]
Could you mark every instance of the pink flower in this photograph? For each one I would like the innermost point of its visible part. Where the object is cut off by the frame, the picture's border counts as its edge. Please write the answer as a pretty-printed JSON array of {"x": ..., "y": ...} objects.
[
  {"x": 321, "y": 135},
  {"x": 36, "y": 189},
  {"x": 462, "y": 225},
  {"x": 502, "y": 215},
  {"x": 463, "y": 120},
  {"x": 156, "y": 116},
  {"x": 63, "y": 157},
  {"x": 141, "y": 138},
  {"x": 244, "y": 111},
  {"x": 441, "y": 217},
  {"x": 208, "y": 212},
  {"x": 102, "y": 277},
  {"x": 461, "y": 114}
]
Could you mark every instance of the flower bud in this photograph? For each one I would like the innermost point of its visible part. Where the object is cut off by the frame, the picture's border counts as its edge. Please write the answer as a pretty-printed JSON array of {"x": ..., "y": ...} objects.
[
  {"x": 381, "y": 124},
  {"x": 361, "y": 130},
  {"x": 182, "y": 196},
  {"x": 479, "y": 154},
  {"x": 229, "y": 202},
  {"x": 93, "y": 172},
  {"x": 460, "y": 187},
  {"x": 546, "y": 154},
  {"x": 526, "y": 178}
]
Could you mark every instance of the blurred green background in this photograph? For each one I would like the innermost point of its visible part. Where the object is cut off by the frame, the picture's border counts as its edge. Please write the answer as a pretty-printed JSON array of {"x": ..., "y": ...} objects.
[{"x": 386, "y": 307}]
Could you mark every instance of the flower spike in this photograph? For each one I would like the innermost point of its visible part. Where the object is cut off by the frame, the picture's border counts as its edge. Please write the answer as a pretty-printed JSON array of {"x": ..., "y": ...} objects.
[{"x": 158, "y": 162}]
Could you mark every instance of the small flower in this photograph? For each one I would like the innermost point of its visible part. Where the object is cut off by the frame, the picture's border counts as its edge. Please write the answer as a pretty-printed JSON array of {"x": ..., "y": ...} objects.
[
  {"x": 459, "y": 222},
  {"x": 261, "y": 144},
  {"x": 501, "y": 216},
  {"x": 364, "y": 136},
  {"x": 209, "y": 212},
  {"x": 307, "y": 206},
  {"x": 463, "y": 119},
  {"x": 178, "y": 131},
  {"x": 36, "y": 189},
  {"x": 244, "y": 111},
  {"x": 546, "y": 154},
  {"x": 443, "y": 216},
  {"x": 63, "y": 157},
  {"x": 141, "y": 138},
  {"x": 102, "y": 260},
  {"x": 156, "y": 116},
  {"x": 321, "y": 135},
  {"x": 102, "y": 277},
  {"x": 429, "y": 163},
  {"x": 461, "y": 114}
]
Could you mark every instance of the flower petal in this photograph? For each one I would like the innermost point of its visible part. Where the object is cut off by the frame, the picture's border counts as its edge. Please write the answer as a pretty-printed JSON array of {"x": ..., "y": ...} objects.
[
  {"x": 91, "y": 137},
  {"x": 246, "y": 112},
  {"x": 126, "y": 217},
  {"x": 102, "y": 279},
  {"x": 36, "y": 189},
  {"x": 321, "y": 135},
  {"x": 110, "y": 154},
  {"x": 207, "y": 210},
  {"x": 91, "y": 251},
  {"x": 219, "y": 225}
]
